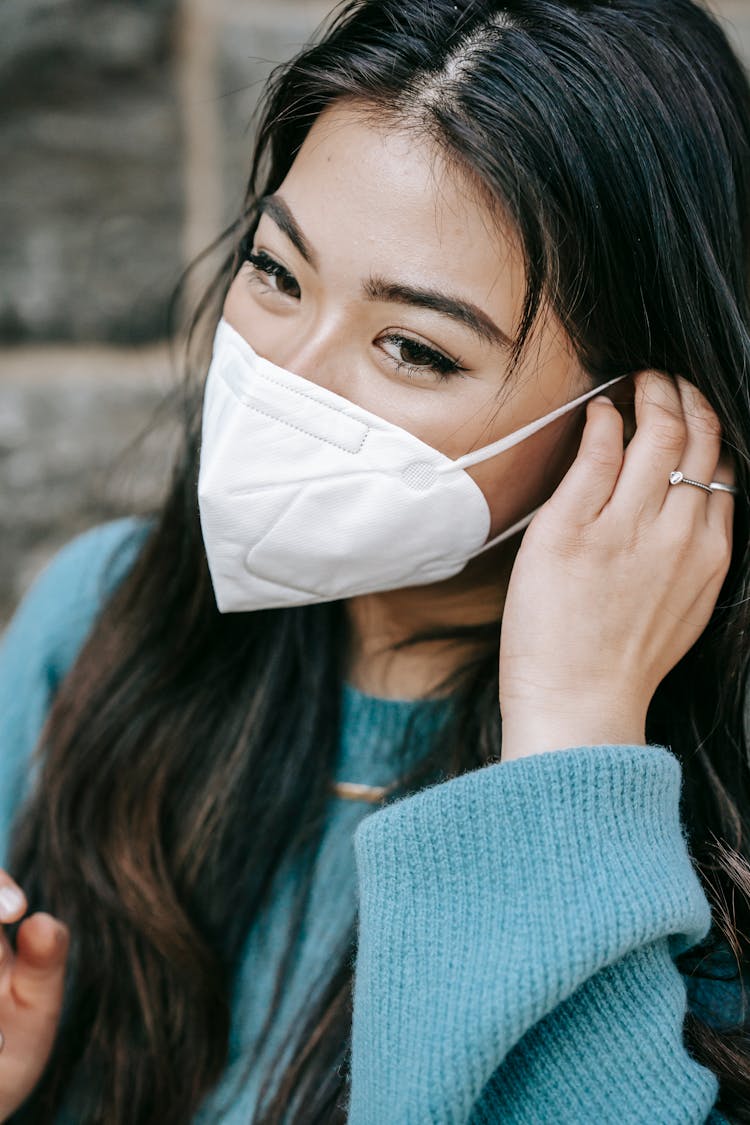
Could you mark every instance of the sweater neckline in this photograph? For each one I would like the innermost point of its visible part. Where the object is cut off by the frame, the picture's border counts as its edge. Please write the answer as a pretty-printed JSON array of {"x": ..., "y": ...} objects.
[{"x": 373, "y": 729}]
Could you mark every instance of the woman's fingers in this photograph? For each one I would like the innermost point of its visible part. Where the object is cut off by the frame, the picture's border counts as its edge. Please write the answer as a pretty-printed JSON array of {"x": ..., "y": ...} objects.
[
  {"x": 703, "y": 461},
  {"x": 42, "y": 943},
  {"x": 720, "y": 509},
  {"x": 13, "y": 903},
  {"x": 700, "y": 457},
  {"x": 12, "y": 906},
  {"x": 703, "y": 446},
  {"x": 34, "y": 971},
  {"x": 32, "y": 987},
  {"x": 588, "y": 483},
  {"x": 657, "y": 448},
  {"x": 676, "y": 430}
]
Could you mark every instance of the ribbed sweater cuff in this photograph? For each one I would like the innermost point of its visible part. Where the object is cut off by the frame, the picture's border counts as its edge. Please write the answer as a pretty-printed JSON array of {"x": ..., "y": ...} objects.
[
  {"x": 612, "y": 1052},
  {"x": 487, "y": 900}
]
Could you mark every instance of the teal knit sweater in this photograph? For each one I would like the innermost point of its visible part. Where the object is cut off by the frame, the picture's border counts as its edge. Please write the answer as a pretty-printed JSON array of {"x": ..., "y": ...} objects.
[{"x": 516, "y": 925}]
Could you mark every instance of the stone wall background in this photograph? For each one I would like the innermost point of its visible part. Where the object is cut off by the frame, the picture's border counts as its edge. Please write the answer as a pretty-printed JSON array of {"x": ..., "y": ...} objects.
[{"x": 123, "y": 156}]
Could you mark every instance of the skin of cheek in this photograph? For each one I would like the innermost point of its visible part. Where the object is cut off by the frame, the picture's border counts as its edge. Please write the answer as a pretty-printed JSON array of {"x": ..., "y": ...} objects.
[{"x": 525, "y": 476}]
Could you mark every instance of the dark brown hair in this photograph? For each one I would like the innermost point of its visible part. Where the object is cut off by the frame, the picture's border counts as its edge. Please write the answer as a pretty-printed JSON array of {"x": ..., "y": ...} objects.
[{"x": 187, "y": 753}]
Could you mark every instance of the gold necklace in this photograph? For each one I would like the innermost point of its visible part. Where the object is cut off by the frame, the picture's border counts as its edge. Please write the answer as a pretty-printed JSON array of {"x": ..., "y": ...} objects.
[{"x": 353, "y": 791}]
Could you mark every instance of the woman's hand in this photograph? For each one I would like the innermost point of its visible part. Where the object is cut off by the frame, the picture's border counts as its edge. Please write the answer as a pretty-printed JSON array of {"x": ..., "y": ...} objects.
[
  {"x": 31, "y": 995},
  {"x": 617, "y": 575}
]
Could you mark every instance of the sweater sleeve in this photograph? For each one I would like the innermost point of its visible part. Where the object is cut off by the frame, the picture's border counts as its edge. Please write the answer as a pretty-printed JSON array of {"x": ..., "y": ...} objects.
[
  {"x": 517, "y": 932},
  {"x": 42, "y": 641}
]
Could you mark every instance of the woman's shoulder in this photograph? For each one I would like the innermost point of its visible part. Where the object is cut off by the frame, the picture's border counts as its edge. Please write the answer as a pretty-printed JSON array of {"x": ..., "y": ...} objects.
[
  {"x": 43, "y": 639},
  {"x": 57, "y": 612}
]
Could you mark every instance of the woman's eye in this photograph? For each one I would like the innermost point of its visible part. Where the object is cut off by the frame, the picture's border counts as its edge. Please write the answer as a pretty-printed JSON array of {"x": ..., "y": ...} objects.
[
  {"x": 414, "y": 358},
  {"x": 263, "y": 263}
]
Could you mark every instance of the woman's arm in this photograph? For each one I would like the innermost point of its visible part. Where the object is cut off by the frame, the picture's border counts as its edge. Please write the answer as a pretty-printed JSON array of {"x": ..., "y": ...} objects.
[{"x": 517, "y": 932}]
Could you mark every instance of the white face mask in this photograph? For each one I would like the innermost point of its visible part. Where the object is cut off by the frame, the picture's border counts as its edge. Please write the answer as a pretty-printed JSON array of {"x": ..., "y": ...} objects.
[{"x": 306, "y": 497}]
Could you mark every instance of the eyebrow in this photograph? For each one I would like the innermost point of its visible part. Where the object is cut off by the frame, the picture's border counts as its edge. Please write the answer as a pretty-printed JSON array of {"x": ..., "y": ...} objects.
[
  {"x": 380, "y": 289},
  {"x": 275, "y": 207},
  {"x": 467, "y": 313}
]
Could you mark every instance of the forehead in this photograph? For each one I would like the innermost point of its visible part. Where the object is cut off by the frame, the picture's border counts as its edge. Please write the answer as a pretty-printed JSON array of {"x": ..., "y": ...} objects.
[{"x": 379, "y": 196}]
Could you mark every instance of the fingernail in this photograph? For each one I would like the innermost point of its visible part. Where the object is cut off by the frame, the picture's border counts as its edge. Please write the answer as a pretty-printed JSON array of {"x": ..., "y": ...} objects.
[
  {"x": 11, "y": 901},
  {"x": 602, "y": 398}
]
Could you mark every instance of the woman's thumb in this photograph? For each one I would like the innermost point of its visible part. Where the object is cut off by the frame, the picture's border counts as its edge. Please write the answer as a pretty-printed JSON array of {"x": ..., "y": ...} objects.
[{"x": 42, "y": 943}]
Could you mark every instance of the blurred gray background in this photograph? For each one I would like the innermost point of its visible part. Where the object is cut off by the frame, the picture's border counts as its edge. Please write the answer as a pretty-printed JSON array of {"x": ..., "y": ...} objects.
[{"x": 124, "y": 153}]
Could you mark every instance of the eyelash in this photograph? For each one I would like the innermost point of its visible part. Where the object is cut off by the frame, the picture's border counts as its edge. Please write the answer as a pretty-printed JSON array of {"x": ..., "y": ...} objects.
[
  {"x": 441, "y": 365},
  {"x": 264, "y": 263}
]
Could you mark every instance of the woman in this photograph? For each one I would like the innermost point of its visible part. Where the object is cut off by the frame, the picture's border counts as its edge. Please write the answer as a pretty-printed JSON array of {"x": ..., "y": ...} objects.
[{"x": 463, "y": 219}]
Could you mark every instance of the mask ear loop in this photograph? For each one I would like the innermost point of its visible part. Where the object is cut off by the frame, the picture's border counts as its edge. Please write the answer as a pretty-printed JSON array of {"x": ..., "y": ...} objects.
[
  {"x": 509, "y": 441},
  {"x": 522, "y": 523}
]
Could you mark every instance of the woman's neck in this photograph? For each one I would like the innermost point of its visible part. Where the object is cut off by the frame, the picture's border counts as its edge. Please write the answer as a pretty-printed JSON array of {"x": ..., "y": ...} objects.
[
  {"x": 378, "y": 621},
  {"x": 403, "y": 676}
]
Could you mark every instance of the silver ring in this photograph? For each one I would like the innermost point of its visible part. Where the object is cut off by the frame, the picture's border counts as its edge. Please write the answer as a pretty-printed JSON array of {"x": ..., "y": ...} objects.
[
  {"x": 676, "y": 477},
  {"x": 2, "y": 1040}
]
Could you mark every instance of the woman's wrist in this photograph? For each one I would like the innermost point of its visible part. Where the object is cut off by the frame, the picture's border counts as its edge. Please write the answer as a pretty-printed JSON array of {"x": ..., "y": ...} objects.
[{"x": 537, "y": 731}]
